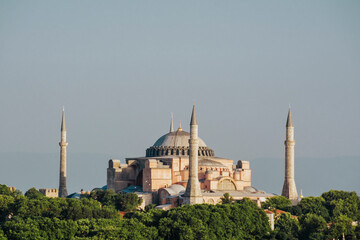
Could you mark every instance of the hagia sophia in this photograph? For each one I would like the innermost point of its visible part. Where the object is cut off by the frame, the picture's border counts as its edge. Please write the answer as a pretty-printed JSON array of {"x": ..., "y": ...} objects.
[{"x": 179, "y": 168}]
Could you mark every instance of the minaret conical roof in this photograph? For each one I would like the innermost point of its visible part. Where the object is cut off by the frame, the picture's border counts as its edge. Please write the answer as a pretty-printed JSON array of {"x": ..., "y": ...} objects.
[
  {"x": 193, "y": 117},
  {"x": 289, "y": 122}
]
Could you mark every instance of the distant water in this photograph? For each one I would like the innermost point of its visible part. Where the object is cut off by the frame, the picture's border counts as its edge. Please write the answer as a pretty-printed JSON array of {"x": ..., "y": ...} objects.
[
  {"x": 41, "y": 170},
  {"x": 87, "y": 171},
  {"x": 313, "y": 175}
]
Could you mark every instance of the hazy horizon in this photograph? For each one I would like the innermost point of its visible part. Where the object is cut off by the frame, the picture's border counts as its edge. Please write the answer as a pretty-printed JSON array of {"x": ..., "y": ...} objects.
[
  {"x": 83, "y": 166},
  {"x": 121, "y": 67}
]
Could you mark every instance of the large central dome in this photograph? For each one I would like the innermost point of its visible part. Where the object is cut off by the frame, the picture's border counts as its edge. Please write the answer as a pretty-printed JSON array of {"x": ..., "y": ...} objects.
[
  {"x": 176, "y": 143},
  {"x": 176, "y": 139}
]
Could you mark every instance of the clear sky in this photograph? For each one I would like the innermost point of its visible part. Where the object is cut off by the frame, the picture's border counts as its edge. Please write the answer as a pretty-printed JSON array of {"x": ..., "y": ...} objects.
[{"x": 121, "y": 67}]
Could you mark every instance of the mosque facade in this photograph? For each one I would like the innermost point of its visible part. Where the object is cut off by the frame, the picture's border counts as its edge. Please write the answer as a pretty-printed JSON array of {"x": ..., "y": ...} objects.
[{"x": 179, "y": 168}]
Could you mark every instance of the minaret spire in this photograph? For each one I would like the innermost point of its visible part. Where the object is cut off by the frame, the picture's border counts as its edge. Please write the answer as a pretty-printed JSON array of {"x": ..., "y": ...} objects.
[
  {"x": 171, "y": 123},
  {"x": 289, "y": 188},
  {"x": 63, "y": 125},
  {"x": 289, "y": 122},
  {"x": 193, "y": 192},
  {"x": 193, "y": 116},
  {"x": 63, "y": 144}
]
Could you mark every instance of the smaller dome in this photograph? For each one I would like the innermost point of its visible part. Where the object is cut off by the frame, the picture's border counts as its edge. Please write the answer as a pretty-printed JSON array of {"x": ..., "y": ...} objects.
[{"x": 175, "y": 189}]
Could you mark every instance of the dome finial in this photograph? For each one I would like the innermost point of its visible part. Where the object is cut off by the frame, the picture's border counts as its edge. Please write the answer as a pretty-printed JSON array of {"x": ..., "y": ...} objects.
[
  {"x": 179, "y": 129},
  {"x": 171, "y": 123}
]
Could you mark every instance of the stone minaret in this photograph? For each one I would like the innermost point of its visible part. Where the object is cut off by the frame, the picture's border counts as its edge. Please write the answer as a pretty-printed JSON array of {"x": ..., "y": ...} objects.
[
  {"x": 63, "y": 143},
  {"x": 193, "y": 193},
  {"x": 171, "y": 124},
  {"x": 289, "y": 188}
]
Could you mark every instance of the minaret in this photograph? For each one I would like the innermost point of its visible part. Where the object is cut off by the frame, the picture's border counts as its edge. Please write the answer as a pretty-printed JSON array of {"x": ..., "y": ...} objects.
[
  {"x": 289, "y": 188},
  {"x": 63, "y": 143},
  {"x": 171, "y": 124},
  {"x": 193, "y": 193}
]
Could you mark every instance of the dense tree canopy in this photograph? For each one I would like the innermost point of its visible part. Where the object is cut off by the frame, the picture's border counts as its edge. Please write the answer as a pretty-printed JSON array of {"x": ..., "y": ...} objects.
[
  {"x": 122, "y": 202},
  {"x": 96, "y": 217},
  {"x": 342, "y": 203},
  {"x": 32, "y": 193},
  {"x": 286, "y": 228},
  {"x": 278, "y": 202}
]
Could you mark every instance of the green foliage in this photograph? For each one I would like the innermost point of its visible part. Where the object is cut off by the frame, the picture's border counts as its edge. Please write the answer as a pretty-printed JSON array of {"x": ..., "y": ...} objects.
[
  {"x": 95, "y": 217},
  {"x": 278, "y": 202},
  {"x": 60, "y": 208},
  {"x": 130, "y": 202},
  {"x": 314, "y": 205},
  {"x": 241, "y": 220},
  {"x": 39, "y": 228},
  {"x": 230, "y": 221},
  {"x": 341, "y": 224},
  {"x": 121, "y": 202},
  {"x": 2, "y": 235},
  {"x": 226, "y": 199},
  {"x": 4, "y": 190},
  {"x": 313, "y": 227},
  {"x": 32, "y": 193},
  {"x": 357, "y": 232},
  {"x": 286, "y": 228},
  {"x": 294, "y": 210},
  {"x": 149, "y": 207},
  {"x": 105, "y": 197},
  {"x": 342, "y": 203},
  {"x": 6, "y": 205}
]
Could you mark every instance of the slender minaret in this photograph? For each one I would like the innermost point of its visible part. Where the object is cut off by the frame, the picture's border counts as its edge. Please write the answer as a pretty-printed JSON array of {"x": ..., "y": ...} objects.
[
  {"x": 289, "y": 188},
  {"x": 171, "y": 123},
  {"x": 193, "y": 193},
  {"x": 63, "y": 143}
]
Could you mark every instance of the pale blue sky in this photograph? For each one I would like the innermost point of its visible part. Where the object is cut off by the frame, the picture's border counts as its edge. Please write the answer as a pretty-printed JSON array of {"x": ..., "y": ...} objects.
[{"x": 121, "y": 67}]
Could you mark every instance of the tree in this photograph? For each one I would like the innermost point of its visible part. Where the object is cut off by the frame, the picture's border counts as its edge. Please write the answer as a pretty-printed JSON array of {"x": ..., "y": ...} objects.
[
  {"x": 4, "y": 190},
  {"x": 150, "y": 207},
  {"x": 32, "y": 193},
  {"x": 286, "y": 228},
  {"x": 313, "y": 227},
  {"x": 342, "y": 203},
  {"x": 2, "y": 235},
  {"x": 226, "y": 199},
  {"x": 357, "y": 231},
  {"x": 278, "y": 202},
  {"x": 6, "y": 207},
  {"x": 130, "y": 202},
  {"x": 341, "y": 225},
  {"x": 105, "y": 197},
  {"x": 314, "y": 205}
]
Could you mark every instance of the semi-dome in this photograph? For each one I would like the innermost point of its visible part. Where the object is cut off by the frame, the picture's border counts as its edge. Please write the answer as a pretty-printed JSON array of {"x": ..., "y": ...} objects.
[{"x": 176, "y": 143}]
